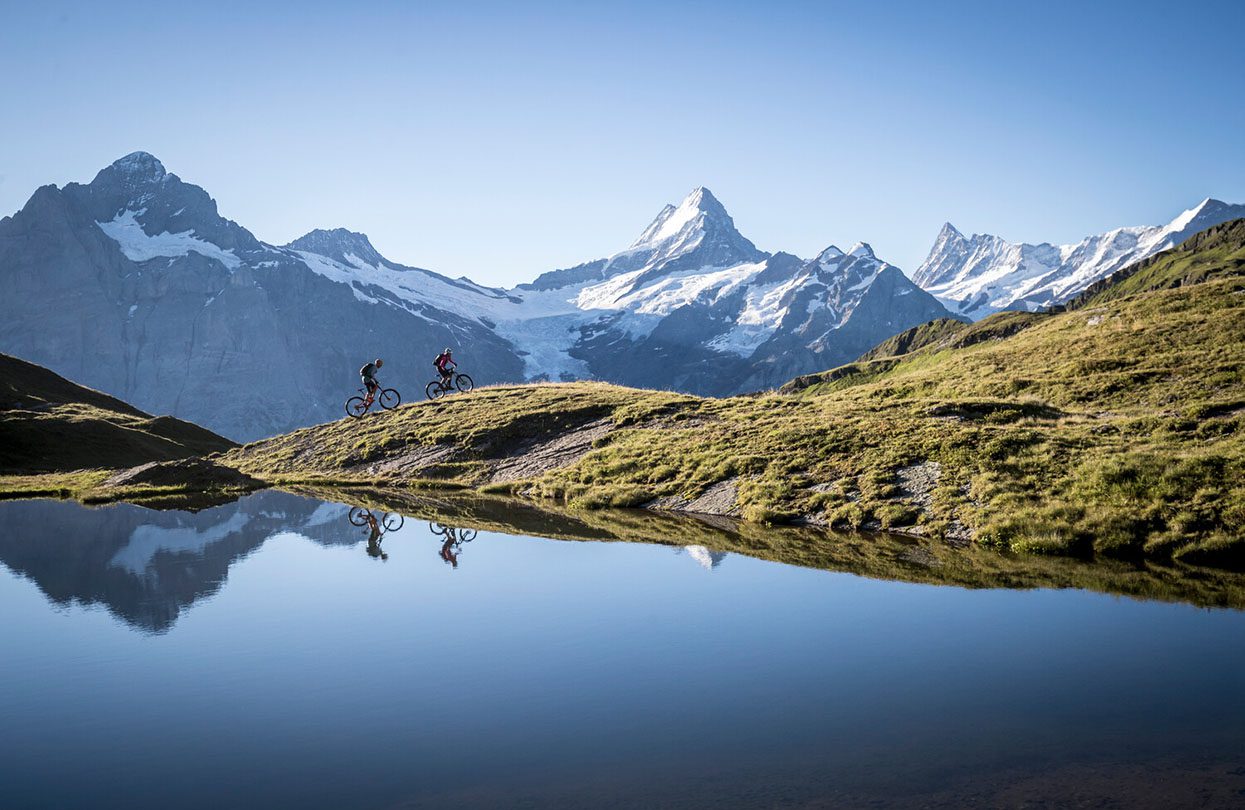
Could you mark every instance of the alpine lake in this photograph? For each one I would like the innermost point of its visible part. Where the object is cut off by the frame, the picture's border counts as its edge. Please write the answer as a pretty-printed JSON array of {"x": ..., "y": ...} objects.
[{"x": 343, "y": 649}]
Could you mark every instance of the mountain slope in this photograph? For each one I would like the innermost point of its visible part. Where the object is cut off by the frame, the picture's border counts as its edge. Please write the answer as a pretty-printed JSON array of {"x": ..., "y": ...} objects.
[
  {"x": 48, "y": 424},
  {"x": 978, "y": 275},
  {"x": 1115, "y": 429}
]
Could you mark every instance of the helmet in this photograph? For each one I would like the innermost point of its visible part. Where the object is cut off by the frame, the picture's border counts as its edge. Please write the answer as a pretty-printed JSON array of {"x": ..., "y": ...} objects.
[
  {"x": 379, "y": 362},
  {"x": 447, "y": 350}
]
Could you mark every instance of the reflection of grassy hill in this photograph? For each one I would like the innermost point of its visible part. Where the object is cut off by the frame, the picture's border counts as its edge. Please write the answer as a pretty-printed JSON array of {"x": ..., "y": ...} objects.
[
  {"x": 49, "y": 424},
  {"x": 1114, "y": 427},
  {"x": 879, "y": 556}
]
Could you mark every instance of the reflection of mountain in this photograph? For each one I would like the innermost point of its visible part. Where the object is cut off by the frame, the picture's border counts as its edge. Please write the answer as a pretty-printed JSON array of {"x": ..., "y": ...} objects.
[
  {"x": 147, "y": 566},
  {"x": 707, "y": 559}
]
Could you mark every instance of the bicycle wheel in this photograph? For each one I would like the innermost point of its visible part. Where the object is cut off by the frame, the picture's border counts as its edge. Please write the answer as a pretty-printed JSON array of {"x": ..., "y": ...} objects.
[
  {"x": 389, "y": 399},
  {"x": 463, "y": 383},
  {"x": 434, "y": 390},
  {"x": 466, "y": 535},
  {"x": 392, "y": 521},
  {"x": 356, "y": 407},
  {"x": 358, "y": 516},
  {"x": 437, "y": 528}
]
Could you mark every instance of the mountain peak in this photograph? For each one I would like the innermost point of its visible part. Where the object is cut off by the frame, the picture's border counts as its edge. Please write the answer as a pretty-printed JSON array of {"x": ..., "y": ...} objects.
[
  {"x": 135, "y": 170},
  {"x": 696, "y": 209},
  {"x": 143, "y": 163},
  {"x": 702, "y": 199},
  {"x": 1206, "y": 213},
  {"x": 338, "y": 243},
  {"x": 949, "y": 231},
  {"x": 862, "y": 250},
  {"x": 829, "y": 254}
]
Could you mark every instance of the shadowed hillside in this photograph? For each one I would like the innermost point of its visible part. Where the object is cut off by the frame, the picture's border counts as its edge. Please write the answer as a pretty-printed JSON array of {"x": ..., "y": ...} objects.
[{"x": 49, "y": 424}]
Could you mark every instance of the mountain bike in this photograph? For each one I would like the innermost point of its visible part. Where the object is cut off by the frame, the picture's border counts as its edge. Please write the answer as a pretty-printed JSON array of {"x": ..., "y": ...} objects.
[
  {"x": 439, "y": 388},
  {"x": 455, "y": 535},
  {"x": 357, "y": 406}
]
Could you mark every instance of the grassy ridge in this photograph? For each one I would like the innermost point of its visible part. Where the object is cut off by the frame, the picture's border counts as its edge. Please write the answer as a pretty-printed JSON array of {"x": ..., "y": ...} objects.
[{"x": 1114, "y": 428}]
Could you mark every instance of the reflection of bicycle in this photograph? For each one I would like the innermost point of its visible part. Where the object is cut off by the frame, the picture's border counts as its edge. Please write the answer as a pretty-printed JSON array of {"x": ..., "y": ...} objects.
[
  {"x": 389, "y": 522},
  {"x": 439, "y": 388},
  {"x": 453, "y": 534},
  {"x": 357, "y": 406},
  {"x": 454, "y": 539}
]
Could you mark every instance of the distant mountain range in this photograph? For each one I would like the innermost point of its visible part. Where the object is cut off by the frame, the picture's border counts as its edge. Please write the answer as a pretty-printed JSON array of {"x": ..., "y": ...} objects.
[
  {"x": 975, "y": 276},
  {"x": 135, "y": 285}
]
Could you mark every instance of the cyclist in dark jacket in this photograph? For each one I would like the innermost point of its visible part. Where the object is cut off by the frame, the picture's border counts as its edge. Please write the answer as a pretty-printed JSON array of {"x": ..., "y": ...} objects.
[{"x": 368, "y": 375}]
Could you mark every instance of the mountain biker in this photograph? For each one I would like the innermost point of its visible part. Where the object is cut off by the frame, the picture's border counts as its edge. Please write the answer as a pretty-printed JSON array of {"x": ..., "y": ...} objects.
[
  {"x": 445, "y": 366},
  {"x": 373, "y": 538},
  {"x": 368, "y": 375}
]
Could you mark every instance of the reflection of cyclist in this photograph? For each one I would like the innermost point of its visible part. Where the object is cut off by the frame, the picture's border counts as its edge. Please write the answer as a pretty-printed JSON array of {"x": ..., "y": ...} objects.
[
  {"x": 445, "y": 366},
  {"x": 449, "y": 551},
  {"x": 368, "y": 375},
  {"x": 373, "y": 538}
]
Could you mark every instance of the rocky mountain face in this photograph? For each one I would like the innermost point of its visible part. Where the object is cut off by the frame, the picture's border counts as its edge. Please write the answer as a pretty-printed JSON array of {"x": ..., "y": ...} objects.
[
  {"x": 135, "y": 285},
  {"x": 978, "y": 275}
]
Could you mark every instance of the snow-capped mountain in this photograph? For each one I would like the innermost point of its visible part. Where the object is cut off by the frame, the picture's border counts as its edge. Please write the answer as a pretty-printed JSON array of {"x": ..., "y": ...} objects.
[
  {"x": 135, "y": 285},
  {"x": 695, "y": 306},
  {"x": 983, "y": 274}
]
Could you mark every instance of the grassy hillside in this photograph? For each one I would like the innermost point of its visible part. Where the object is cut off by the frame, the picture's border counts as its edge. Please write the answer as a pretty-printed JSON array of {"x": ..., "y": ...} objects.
[
  {"x": 49, "y": 424},
  {"x": 1113, "y": 428}
]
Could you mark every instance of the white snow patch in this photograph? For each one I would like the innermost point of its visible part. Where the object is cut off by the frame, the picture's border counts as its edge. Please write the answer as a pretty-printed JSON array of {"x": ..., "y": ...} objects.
[
  {"x": 146, "y": 541},
  {"x": 139, "y": 246},
  {"x": 327, "y": 513}
]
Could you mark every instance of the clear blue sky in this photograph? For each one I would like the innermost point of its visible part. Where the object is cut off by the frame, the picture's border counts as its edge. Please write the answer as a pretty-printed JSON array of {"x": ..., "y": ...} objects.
[{"x": 501, "y": 140}]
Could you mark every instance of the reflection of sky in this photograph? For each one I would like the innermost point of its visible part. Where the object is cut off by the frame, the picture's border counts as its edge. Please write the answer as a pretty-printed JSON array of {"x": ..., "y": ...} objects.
[{"x": 316, "y": 678}]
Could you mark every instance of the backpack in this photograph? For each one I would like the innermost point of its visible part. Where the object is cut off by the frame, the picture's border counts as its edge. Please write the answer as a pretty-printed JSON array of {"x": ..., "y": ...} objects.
[{"x": 363, "y": 371}]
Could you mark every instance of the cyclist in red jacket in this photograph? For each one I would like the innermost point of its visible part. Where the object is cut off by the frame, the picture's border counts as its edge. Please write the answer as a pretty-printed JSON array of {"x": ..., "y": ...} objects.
[{"x": 445, "y": 366}]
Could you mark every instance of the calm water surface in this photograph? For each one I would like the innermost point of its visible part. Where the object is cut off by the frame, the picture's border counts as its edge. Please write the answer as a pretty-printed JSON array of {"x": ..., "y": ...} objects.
[{"x": 264, "y": 653}]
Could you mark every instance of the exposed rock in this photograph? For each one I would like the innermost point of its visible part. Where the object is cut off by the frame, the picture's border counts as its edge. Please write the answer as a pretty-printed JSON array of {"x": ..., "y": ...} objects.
[
  {"x": 544, "y": 455},
  {"x": 719, "y": 499},
  {"x": 916, "y": 483}
]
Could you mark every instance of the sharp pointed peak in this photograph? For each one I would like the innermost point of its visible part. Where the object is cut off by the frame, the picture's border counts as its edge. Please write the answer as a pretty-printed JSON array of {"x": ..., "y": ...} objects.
[
  {"x": 830, "y": 253},
  {"x": 862, "y": 250},
  {"x": 1207, "y": 207},
  {"x": 948, "y": 229},
  {"x": 700, "y": 196},
  {"x": 698, "y": 206}
]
